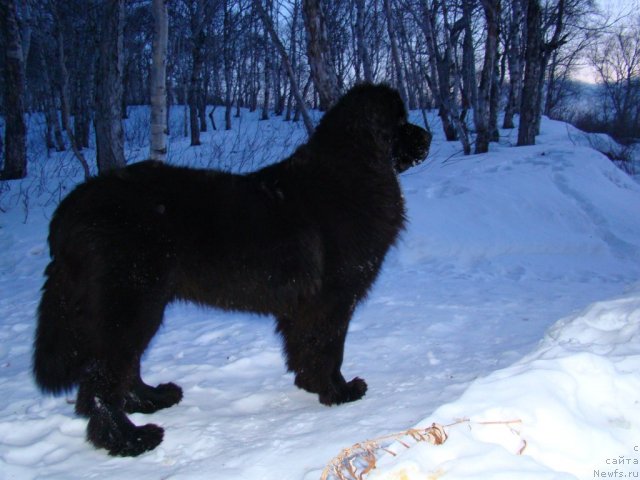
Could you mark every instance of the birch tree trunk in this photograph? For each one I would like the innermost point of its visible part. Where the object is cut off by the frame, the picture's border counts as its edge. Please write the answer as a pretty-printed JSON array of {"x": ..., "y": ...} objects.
[
  {"x": 64, "y": 94},
  {"x": 268, "y": 73},
  {"x": 199, "y": 16},
  {"x": 552, "y": 86},
  {"x": 494, "y": 106},
  {"x": 287, "y": 64},
  {"x": 515, "y": 63},
  {"x": 227, "y": 53},
  {"x": 203, "y": 93},
  {"x": 469, "y": 81},
  {"x": 197, "y": 58},
  {"x": 547, "y": 48},
  {"x": 446, "y": 68},
  {"x": 361, "y": 42},
  {"x": 533, "y": 67},
  {"x": 48, "y": 93},
  {"x": 158, "y": 148},
  {"x": 322, "y": 72},
  {"x": 109, "y": 90},
  {"x": 440, "y": 66},
  {"x": 481, "y": 111},
  {"x": 293, "y": 54},
  {"x": 15, "y": 160},
  {"x": 395, "y": 54}
]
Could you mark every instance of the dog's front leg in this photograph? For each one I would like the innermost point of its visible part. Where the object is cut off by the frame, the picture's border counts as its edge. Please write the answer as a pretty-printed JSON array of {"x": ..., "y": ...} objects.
[{"x": 314, "y": 345}]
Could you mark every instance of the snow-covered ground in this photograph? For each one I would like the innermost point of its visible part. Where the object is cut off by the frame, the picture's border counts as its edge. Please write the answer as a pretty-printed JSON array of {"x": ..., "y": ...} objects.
[
  {"x": 514, "y": 295},
  {"x": 568, "y": 410}
]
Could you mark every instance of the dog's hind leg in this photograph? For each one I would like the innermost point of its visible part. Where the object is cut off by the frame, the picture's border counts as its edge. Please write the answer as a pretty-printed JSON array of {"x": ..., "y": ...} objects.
[
  {"x": 125, "y": 324},
  {"x": 314, "y": 345},
  {"x": 144, "y": 398},
  {"x": 101, "y": 399}
]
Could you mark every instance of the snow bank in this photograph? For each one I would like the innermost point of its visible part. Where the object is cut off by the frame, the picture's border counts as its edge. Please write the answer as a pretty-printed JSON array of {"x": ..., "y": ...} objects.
[
  {"x": 528, "y": 211},
  {"x": 576, "y": 399}
]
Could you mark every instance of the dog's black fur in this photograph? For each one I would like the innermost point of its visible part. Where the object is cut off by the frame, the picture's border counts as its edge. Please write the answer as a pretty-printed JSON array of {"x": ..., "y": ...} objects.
[{"x": 302, "y": 240}]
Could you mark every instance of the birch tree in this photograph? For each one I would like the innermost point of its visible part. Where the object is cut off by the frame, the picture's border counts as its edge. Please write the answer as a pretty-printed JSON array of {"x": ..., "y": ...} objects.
[
  {"x": 533, "y": 72},
  {"x": 363, "y": 57},
  {"x": 322, "y": 71},
  {"x": 15, "y": 160},
  {"x": 268, "y": 24},
  {"x": 108, "y": 116},
  {"x": 395, "y": 54},
  {"x": 556, "y": 18},
  {"x": 158, "y": 148},
  {"x": 481, "y": 112},
  {"x": 65, "y": 107},
  {"x": 515, "y": 61},
  {"x": 198, "y": 18}
]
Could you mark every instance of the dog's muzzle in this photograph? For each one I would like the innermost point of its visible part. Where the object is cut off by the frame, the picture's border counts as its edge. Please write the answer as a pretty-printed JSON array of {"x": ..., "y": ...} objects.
[{"x": 411, "y": 146}]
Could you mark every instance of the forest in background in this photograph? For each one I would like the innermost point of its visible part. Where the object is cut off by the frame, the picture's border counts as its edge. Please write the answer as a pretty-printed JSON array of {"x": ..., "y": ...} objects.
[{"x": 480, "y": 63}]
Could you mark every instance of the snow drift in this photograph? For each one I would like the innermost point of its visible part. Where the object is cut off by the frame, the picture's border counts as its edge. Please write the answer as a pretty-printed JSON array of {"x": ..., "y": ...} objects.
[{"x": 568, "y": 410}]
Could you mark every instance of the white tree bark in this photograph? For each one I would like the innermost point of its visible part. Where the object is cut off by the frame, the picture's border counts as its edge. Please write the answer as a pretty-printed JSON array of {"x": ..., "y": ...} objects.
[
  {"x": 158, "y": 148},
  {"x": 322, "y": 71}
]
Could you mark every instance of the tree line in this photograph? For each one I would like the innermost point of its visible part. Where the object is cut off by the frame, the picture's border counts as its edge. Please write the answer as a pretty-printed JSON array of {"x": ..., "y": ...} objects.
[{"x": 82, "y": 62}]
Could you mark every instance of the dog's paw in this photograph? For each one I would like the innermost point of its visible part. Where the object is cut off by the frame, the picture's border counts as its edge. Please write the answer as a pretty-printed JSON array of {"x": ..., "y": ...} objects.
[
  {"x": 356, "y": 389},
  {"x": 109, "y": 428},
  {"x": 346, "y": 392},
  {"x": 140, "y": 440},
  {"x": 146, "y": 399},
  {"x": 170, "y": 393}
]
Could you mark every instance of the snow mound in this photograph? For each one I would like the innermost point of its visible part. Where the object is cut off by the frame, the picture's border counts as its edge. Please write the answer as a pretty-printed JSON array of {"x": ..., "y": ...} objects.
[{"x": 574, "y": 405}]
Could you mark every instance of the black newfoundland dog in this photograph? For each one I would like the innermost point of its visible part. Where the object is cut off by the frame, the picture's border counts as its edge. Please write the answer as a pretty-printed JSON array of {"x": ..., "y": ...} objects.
[{"x": 302, "y": 240}]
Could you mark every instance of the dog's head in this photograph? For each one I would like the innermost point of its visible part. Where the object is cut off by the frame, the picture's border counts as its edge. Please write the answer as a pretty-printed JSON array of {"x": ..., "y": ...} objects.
[{"x": 376, "y": 115}]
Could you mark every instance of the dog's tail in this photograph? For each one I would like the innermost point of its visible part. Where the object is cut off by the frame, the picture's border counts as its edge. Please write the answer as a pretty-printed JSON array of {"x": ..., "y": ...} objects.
[{"x": 59, "y": 354}]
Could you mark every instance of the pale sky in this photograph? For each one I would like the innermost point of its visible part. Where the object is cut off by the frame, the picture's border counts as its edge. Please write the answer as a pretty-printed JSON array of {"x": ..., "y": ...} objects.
[
  {"x": 618, "y": 5},
  {"x": 615, "y": 8}
]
